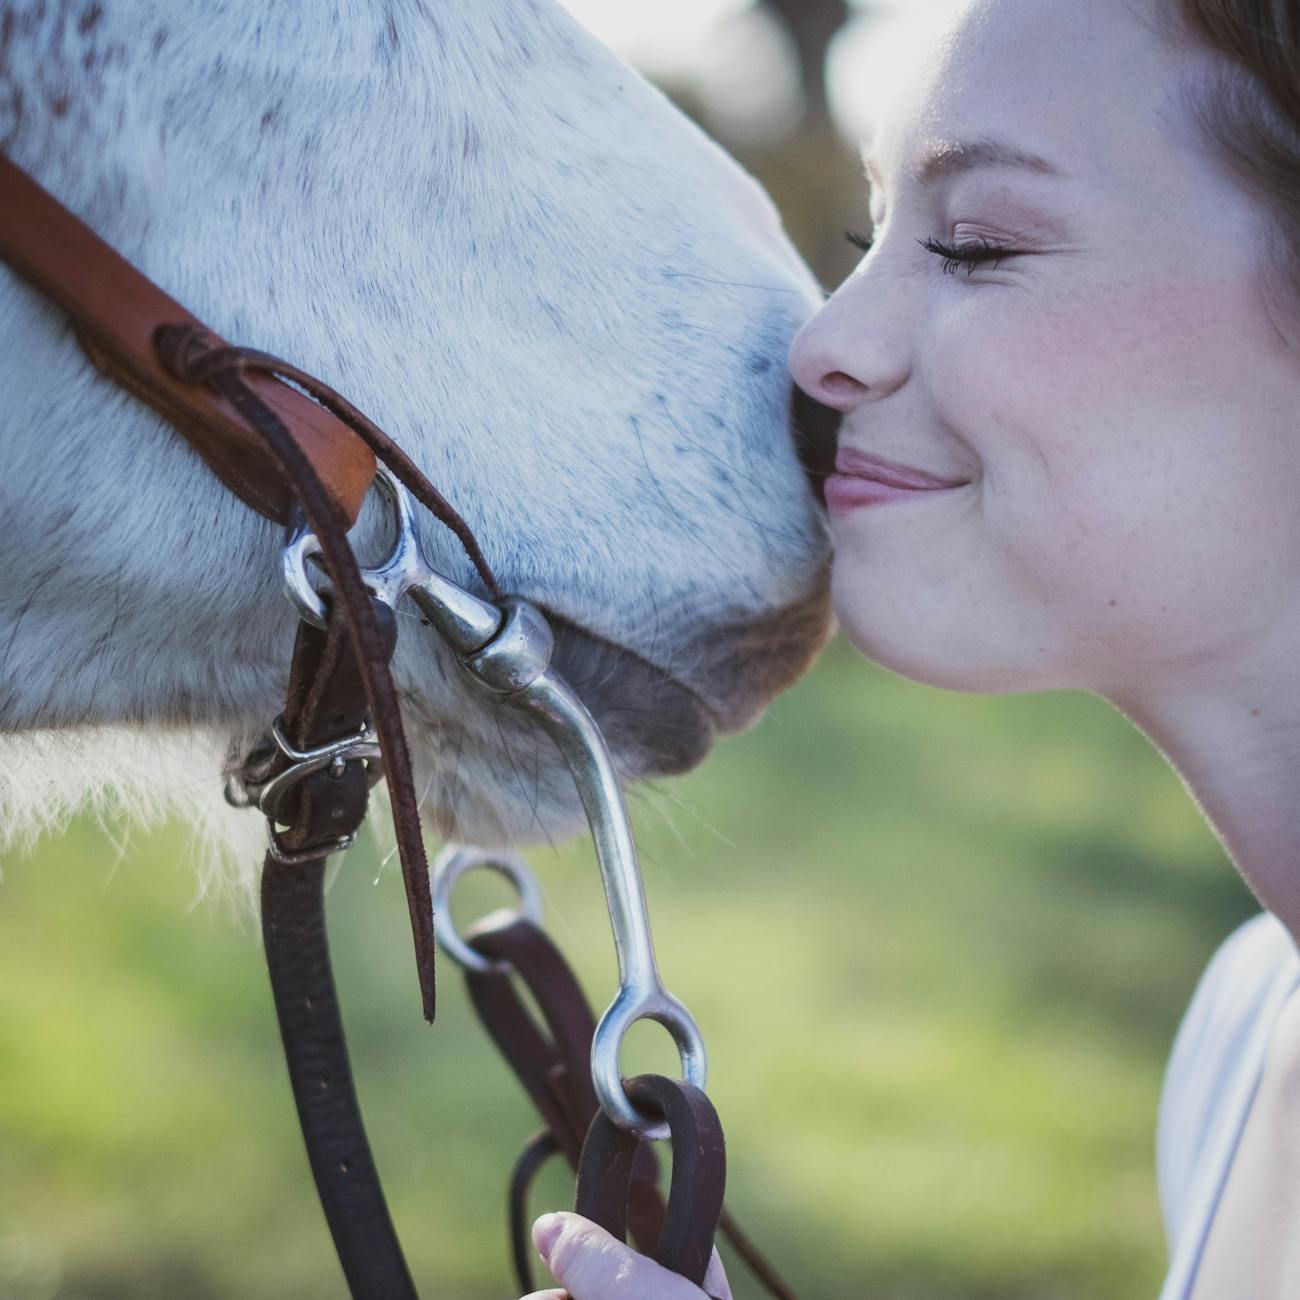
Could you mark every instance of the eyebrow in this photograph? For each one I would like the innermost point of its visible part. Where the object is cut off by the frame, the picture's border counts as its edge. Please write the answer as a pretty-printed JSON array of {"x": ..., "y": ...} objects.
[{"x": 952, "y": 157}]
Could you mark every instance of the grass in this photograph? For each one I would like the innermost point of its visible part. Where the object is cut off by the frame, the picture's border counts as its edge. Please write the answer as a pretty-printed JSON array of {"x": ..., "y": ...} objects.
[{"x": 938, "y": 946}]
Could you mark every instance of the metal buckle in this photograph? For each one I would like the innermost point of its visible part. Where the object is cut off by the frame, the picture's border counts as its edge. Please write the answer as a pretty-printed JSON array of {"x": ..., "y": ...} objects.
[{"x": 254, "y": 786}]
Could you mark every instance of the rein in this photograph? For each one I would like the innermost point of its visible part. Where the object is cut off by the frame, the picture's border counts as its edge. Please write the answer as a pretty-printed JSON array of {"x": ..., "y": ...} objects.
[{"x": 297, "y": 452}]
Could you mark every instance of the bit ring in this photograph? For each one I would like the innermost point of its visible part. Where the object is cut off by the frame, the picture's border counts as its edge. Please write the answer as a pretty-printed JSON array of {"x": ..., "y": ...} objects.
[{"x": 448, "y": 867}]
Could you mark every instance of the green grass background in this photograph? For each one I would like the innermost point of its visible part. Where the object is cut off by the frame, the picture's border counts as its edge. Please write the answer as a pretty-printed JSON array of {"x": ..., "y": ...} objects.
[{"x": 938, "y": 946}]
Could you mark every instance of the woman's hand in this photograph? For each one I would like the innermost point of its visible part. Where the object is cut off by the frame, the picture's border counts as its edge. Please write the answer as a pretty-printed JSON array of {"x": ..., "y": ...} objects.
[{"x": 592, "y": 1265}]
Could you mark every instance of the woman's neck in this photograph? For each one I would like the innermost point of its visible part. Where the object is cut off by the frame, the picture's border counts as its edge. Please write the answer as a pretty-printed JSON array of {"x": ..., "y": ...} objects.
[{"x": 1233, "y": 735}]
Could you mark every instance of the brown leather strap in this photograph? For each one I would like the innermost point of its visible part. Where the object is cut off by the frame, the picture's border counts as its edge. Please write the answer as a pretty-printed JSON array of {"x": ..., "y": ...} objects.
[
  {"x": 315, "y": 1050},
  {"x": 117, "y": 311},
  {"x": 555, "y": 1066},
  {"x": 699, "y": 1176},
  {"x": 227, "y": 376},
  {"x": 189, "y": 354},
  {"x": 326, "y": 702},
  {"x": 552, "y": 1061}
]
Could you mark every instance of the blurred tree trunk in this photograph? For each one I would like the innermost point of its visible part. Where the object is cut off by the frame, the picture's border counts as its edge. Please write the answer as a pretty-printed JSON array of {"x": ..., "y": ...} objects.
[
  {"x": 813, "y": 173},
  {"x": 812, "y": 25}
]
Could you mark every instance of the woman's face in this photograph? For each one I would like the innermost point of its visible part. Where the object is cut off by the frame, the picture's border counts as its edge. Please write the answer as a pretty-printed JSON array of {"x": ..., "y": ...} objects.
[{"x": 1118, "y": 393}]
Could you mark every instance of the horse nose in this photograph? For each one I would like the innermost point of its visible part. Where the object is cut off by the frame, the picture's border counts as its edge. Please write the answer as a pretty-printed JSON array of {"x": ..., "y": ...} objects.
[{"x": 815, "y": 428}]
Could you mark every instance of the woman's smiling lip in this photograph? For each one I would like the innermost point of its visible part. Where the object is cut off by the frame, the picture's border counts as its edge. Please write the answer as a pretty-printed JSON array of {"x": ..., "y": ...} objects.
[{"x": 861, "y": 479}]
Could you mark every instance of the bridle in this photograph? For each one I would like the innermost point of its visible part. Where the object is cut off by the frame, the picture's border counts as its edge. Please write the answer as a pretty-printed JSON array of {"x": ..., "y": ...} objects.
[{"x": 297, "y": 452}]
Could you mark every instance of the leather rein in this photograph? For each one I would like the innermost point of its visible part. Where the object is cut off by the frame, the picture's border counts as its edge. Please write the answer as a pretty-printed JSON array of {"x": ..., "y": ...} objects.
[{"x": 294, "y": 450}]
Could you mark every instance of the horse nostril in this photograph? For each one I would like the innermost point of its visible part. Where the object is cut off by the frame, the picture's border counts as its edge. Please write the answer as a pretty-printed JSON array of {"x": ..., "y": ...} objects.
[{"x": 814, "y": 427}]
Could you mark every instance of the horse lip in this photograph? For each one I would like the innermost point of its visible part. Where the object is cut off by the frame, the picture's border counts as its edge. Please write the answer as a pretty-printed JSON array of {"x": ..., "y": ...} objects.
[
  {"x": 661, "y": 725},
  {"x": 655, "y": 724}
]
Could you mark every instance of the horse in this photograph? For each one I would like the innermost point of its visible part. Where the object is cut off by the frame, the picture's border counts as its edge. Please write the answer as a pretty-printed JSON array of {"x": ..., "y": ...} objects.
[{"x": 568, "y": 304}]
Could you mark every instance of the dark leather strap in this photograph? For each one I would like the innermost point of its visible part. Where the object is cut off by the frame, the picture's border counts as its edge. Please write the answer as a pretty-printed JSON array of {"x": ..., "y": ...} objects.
[
  {"x": 554, "y": 1068},
  {"x": 186, "y": 354},
  {"x": 117, "y": 310},
  {"x": 539, "y": 1149},
  {"x": 297, "y": 954},
  {"x": 326, "y": 702},
  {"x": 189, "y": 353},
  {"x": 699, "y": 1177}
]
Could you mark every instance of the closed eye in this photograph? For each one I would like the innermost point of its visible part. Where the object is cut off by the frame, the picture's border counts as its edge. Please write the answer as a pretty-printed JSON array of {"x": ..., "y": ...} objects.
[
  {"x": 955, "y": 256},
  {"x": 968, "y": 255}
]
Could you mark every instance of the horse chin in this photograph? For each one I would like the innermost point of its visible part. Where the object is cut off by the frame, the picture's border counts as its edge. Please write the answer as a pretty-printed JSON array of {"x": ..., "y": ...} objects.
[
  {"x": 499, "y": 780},
  {"x": 662, "y": 720},
  {"x": 654, "y": 723}
]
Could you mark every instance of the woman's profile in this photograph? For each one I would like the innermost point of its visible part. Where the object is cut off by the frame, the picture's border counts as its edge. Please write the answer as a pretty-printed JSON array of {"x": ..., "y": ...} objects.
[{"x": 1068, "y": 369}]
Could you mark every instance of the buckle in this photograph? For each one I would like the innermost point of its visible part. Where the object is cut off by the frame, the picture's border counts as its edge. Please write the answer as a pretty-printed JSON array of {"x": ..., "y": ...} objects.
[{"x": 258, "y": 783}]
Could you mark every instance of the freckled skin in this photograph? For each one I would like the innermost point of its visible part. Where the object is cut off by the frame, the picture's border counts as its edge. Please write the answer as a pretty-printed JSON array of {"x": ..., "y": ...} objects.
[{"x": 1121, "y": 397}]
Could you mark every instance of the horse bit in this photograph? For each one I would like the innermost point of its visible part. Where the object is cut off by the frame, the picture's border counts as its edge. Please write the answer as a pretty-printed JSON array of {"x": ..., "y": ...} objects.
[{"x": 340, "y": 731}]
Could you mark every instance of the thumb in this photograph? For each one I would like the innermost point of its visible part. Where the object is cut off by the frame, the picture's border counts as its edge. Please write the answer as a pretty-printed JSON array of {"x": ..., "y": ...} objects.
[{"x": 593, "y": 1265}]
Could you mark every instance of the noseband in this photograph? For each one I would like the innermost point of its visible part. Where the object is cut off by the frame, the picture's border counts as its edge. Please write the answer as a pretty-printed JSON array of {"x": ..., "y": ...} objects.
[{"x": 297, "y": 452}]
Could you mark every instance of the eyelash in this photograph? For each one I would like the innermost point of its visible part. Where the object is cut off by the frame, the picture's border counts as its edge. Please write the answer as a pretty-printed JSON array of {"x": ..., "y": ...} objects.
[{"x": 954, "y": 257}]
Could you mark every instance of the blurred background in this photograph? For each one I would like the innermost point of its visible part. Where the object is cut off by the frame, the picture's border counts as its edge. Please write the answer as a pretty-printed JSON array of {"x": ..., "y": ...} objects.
[
  {"x": 791, "y": 87},
  {"x": 938, "y": 944}
]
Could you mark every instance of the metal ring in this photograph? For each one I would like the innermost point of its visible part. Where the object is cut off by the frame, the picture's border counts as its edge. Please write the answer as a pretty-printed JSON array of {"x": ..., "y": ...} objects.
[
  {"x": 301, "y": 547},
  {"x": 388, "y": 581},
  {"x": 626, "y": 1009},
  {"x": 448, "y": 867}
]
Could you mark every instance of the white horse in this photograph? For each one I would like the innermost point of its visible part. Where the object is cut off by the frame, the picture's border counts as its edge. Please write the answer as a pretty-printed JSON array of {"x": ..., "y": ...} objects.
[{"x": 569, "y": 306}]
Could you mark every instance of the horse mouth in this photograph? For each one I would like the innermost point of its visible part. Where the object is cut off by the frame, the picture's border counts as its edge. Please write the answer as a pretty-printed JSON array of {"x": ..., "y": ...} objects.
[
  {"x": 661, "y": 723},
  {"x": 655, "y": 724}
]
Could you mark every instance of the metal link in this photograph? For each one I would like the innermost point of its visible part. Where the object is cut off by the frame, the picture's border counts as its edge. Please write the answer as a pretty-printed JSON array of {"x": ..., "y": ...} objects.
[{"x": 449, "y": 866}]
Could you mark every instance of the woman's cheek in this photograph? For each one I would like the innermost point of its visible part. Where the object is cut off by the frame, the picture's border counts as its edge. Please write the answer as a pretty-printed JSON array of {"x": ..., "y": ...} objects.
[{"x": 1074, "y": 499}]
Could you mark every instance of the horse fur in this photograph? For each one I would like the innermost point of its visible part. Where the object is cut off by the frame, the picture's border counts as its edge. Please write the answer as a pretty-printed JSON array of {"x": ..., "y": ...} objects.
[{"x": 569, "y": 306}]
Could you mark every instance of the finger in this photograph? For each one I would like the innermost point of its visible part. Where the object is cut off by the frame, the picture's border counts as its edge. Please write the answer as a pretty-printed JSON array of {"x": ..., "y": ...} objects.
[
  {"x": 715, "y": 1280},
  {"x": 547, "y": 1295},
  {"x": 592, "y": 1265}
]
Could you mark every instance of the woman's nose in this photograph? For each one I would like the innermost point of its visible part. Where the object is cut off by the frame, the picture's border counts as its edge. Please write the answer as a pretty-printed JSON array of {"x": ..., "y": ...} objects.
[{"x": 847, "y": 353}]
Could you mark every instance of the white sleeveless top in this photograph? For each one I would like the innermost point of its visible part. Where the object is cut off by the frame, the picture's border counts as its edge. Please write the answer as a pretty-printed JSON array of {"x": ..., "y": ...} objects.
[{"x": 1210, "y": 1082}]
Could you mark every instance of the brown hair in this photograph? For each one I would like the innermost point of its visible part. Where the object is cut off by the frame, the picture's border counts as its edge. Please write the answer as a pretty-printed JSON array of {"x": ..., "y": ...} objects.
[{"x": 1251, "y": 112}]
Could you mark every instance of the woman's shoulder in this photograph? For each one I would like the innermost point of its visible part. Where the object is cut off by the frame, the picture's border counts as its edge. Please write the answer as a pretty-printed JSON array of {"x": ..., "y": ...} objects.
[{"x": 1217, "y": 1054}]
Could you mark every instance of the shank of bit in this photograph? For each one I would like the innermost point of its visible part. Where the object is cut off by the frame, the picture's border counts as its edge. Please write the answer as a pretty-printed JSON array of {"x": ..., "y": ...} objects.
[
  {"x": 514, "y": 666},
  {"x": 641, "y": 993}
]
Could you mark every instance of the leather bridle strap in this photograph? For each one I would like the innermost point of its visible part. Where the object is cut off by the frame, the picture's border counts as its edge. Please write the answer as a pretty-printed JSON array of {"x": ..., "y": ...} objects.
[
  {"x": 187, "y": 354},
  {"x": 116, "y": 311},
  {"x": 325, "y": 705}
]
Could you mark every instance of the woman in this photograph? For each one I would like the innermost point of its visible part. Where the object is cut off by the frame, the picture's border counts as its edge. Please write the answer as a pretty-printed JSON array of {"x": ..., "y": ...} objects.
[{"x": 1069, "y": 372}]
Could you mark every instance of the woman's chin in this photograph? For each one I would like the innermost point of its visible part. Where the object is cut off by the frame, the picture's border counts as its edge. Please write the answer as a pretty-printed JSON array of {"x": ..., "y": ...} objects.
[{"x": 952, "y": 659}]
